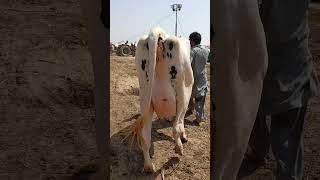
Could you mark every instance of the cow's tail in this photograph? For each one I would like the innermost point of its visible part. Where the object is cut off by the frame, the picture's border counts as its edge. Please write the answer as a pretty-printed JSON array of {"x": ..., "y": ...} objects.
[{"x": 134, "y": 131}]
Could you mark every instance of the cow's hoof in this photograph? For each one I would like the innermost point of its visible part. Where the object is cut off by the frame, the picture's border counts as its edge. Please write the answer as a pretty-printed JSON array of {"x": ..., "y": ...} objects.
[
  {"x": 184, "y": 140},
  {"x": 188, "y": 113},
  {"x": 178, "y": 150},
  {"x": 149, "y": 168}
]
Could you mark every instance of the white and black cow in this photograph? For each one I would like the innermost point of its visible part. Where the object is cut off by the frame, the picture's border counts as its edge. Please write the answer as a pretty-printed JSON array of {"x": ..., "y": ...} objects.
[{"x": 165, "y": 80}]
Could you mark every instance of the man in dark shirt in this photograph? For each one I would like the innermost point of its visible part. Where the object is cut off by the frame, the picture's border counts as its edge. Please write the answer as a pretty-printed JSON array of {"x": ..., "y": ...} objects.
[
  {"x": 288, "y": 86},
  {"x": 199, "y": 58}
]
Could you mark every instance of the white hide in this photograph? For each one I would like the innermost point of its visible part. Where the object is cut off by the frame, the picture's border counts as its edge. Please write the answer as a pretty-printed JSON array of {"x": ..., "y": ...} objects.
[
  {"x": 241, "y": 64},
  {"x": 182, "y": 85}
]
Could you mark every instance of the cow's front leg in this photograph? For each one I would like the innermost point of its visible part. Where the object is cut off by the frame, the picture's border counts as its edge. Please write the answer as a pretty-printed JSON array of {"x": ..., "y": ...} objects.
[{"x": 146, "y": 141}]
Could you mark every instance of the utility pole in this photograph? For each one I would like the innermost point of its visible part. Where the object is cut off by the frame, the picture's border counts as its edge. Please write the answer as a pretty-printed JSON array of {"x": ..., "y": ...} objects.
[{"x": 176, "y": 8}]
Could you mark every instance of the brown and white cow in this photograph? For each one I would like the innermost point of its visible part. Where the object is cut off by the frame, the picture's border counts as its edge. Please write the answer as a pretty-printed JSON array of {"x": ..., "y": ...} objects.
[{"x": 165, "y": 80}]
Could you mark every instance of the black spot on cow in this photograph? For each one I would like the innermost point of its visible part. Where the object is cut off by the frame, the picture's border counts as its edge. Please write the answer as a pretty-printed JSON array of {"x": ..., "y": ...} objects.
[
  {"x": 169, "y": 55},
  {"x": 143, "y": 64},
  {"x": 159, "y": 39},
  {"x": 147, "y": 46},
  {"x": 173, "y": 72},
  {"x": 147, "y": 76},
  {"x": 170, "y": 45}
]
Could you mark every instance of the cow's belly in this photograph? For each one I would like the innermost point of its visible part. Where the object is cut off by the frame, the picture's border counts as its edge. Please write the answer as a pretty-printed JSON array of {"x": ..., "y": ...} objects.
[{"x": 163, "y": 99}]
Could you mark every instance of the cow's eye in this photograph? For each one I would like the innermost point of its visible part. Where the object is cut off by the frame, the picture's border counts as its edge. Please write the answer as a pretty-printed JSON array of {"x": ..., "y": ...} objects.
[{"x": 147, "y": 46}]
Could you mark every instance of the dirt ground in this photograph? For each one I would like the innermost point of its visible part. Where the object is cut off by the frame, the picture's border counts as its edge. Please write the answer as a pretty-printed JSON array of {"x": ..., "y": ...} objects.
[
  {"x": 194, "y": 164},
  {"x": 46, "y": 100},
  {"x": 46, "y": 103}
]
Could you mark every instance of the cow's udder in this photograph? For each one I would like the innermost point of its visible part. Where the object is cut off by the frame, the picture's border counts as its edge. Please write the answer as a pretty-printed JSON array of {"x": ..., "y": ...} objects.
[
  {"x": 163, "y": 94},
  {"x": 163, "y": 99}
]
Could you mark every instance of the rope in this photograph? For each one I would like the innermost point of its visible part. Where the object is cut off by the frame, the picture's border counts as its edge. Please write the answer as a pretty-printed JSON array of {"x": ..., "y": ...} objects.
[
  {"x": 173, "y": 21},
  {"x": 166, "y": 20},
  {"x": 180, "y": 24},
  {"x": 137, "y": 35}
]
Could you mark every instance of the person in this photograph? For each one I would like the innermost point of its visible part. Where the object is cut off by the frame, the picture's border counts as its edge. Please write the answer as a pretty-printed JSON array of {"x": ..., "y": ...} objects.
[
  {"x": 199, "y": 58},
  {"x": 288, "y": 86}
]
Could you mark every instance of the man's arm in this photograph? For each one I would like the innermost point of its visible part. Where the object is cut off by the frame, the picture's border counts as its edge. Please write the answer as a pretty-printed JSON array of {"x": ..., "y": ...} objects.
[{"x": 191, "y": 56}]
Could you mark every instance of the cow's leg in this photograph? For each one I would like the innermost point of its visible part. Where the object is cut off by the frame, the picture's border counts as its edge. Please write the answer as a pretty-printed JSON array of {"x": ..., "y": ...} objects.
[
  {"x": 146, "y": 141},
  {"x": 238, "y": 81},
  {"x": 183, "y": 136},
  {"x": 97, "y": 40},
  {"x": 178, "y": 123},
  {"x": 183, "y": 88},
  {"x": 179, "y": 133}
]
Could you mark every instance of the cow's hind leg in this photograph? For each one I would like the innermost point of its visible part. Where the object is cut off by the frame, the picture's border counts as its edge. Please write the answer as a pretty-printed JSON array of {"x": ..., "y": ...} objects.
[
  {"x": 183, "y": 136},
  {"x": 145, "y": 142},
  {"x": 178, "y": 132}
]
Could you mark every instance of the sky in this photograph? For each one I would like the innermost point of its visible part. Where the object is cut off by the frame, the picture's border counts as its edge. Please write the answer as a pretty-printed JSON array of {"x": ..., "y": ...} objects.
[{"x": 131, "y": 19}]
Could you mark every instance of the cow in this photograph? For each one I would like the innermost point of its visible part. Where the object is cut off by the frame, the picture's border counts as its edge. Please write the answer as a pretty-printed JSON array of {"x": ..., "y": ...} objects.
[
  {"x": 165, "y": 85},
  {"x": 240, "y": 68}
]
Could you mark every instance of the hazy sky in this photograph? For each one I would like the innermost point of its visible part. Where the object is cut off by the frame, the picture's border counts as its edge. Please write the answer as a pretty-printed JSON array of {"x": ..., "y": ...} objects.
[{"x": 130, "y": 19}]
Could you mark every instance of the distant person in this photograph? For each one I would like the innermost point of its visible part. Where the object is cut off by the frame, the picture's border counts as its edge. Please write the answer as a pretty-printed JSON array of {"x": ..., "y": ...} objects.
[{"x": 199, "y": 57}]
